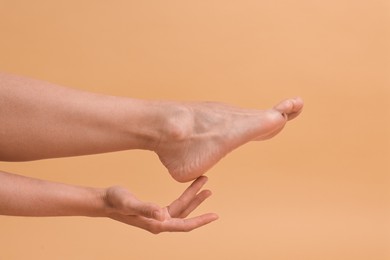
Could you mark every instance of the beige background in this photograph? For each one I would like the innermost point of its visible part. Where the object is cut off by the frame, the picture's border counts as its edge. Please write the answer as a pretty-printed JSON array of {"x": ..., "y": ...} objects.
[{"x": 320, "y": 190}]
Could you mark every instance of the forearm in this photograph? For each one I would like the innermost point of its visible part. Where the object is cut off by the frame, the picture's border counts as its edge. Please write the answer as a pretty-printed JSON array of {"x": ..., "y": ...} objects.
[
  {"x": 23, "y": 196},
  {"x": 42, "y": 120}
]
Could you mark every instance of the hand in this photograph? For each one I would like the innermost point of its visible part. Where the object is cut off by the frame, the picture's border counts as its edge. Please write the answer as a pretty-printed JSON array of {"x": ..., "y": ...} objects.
[{"x": 125, "y": 207}]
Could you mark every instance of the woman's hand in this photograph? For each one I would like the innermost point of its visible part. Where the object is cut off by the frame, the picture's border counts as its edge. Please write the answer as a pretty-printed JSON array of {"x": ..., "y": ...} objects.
[{"x": 123, "y": 206}]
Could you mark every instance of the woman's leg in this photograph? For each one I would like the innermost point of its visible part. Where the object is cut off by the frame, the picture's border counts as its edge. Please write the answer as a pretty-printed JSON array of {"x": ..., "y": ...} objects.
[{"x": 42, "y": 120}]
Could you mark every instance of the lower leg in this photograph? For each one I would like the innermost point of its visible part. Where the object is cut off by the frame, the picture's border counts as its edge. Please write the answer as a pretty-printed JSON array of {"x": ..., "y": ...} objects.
[{"x": 41, "y": 120}]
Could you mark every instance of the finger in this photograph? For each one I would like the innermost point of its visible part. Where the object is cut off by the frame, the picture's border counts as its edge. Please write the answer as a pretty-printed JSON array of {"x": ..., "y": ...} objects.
[
  {"x": 145, "y": 209},
  {"x": 185, "y": 225},
  {"x": 172, "y": 225},
  {"x": 180, "y": 204},
  {"x": 202, "y": 196},
  {"x": 148, "y": 224}
]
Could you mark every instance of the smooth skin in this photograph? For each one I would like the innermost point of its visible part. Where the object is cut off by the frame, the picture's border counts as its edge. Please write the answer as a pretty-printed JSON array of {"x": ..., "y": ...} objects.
[
  {"x": 23, "y": 196},
  {"x": 40, "y": 120}
]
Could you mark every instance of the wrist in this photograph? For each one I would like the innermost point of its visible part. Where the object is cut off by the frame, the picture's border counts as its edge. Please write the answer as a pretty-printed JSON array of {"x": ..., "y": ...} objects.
[{"x": 100, "y": 207}]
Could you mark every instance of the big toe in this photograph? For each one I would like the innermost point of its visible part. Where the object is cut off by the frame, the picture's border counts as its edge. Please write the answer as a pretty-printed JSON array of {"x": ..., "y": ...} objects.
[{"x": 290, "y": 107}]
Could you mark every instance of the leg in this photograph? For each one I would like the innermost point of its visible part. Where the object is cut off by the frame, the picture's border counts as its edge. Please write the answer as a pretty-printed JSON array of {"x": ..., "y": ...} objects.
[{"x": 41, "y": 120}]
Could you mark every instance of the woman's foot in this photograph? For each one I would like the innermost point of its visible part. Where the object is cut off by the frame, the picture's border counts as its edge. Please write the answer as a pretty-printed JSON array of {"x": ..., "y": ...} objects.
[{"x": 200, "y": 134}]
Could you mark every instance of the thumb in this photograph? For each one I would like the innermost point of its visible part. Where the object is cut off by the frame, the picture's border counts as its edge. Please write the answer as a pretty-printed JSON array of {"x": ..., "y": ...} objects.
[{"x": 147, "y": 209}]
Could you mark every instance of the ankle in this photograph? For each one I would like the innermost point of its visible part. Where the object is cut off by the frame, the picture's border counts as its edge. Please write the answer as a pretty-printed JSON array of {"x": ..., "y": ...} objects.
[{"x": 177, "y": 124}]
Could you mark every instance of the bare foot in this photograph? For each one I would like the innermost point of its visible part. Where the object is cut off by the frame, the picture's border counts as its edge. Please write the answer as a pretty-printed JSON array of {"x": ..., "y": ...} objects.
[{"x": 201, "y": 134}]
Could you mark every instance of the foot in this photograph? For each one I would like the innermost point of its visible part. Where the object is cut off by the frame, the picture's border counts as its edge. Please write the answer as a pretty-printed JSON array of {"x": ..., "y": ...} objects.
[{"x": 201, "y": 134}]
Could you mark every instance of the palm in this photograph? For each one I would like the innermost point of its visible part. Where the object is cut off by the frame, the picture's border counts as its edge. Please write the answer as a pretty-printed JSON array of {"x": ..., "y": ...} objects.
[{"x": 128, "y": 209}]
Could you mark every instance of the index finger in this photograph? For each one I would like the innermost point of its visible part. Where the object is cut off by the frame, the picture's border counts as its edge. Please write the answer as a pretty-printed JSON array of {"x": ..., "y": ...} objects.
[{"x": 180, "y": 204}]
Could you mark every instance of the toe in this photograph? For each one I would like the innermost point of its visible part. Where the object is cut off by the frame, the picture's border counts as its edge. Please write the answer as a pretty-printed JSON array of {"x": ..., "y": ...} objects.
[
  {"x": 285, "y": 107},
  {"x": 290, "y": 108},
  {"x": 298, "y": 104},
  {"x": 297, "y": 108}
]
